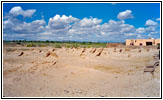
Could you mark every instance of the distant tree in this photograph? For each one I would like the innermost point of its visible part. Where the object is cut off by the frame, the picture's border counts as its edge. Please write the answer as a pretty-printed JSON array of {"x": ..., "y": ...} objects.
[
  {"x": 83, "y": 42},
  {"x": 90, "y": 42},
  {"x": 47, "y": 41}
]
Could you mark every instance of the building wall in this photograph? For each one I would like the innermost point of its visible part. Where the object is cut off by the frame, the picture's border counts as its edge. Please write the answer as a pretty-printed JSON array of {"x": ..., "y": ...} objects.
[
  {"x": 128, "y": 42},
  {"x": 157, "y": 41},
  {"x": 139, "y": 42}
]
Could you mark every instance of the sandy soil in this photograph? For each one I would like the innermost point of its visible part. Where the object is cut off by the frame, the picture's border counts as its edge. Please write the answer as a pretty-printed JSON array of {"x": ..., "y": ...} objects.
[{"x": 70, "y": 73}]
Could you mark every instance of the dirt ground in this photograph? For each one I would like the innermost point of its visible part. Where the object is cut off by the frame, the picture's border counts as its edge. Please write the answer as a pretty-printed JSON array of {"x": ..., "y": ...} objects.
[{"x": 67, "y": 72}]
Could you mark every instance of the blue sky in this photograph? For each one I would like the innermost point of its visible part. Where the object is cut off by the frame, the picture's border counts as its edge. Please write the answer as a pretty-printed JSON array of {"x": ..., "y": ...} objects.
[{"x": 81, "y": 21}]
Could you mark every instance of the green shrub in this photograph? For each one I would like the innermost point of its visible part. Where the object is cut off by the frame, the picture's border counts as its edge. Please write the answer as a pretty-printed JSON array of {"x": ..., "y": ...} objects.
[
  {"x": 31, "y": 45},
  {"x": 89, "y": 46},
  {"x": 42, "y": 45},
  {"x": 58, "y": 46},
  {"x": 75, "y": 45},
  {"x": 67, "y": 46}
]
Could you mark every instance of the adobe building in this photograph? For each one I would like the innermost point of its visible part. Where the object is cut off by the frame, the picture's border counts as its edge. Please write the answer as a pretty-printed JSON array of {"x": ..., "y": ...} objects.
[{"x": 142, "y": 42}]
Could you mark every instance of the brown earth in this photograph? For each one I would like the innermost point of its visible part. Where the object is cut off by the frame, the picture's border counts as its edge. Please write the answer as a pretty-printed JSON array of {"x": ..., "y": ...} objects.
[{"x": 71, "y": 73}]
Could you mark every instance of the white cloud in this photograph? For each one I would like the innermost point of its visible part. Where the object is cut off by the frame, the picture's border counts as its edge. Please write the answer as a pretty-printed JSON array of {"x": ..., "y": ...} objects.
[
  {"x": 117, "y": 27},
  {"x": 152, "y": 28},
  {"x": 157, "y": 19},
  {"x": 14, "y": 26},
  {"x": 8, "y": 24},
  {"x": 113, "y": 3},
  {"x": 151, "y": 23},
  {"x": 19, "y": 11},
  {"x": 85, "y": 22},
  {"x": 140, "y": 30},
  {"x": 139, "y": 36},
  {"x": 130, "y": 34},
  {"x": 102, "y": 33},
  {"x": 125, "y": 14},
  {"x": 71, "y": 28},
  {"x": 61, "y": 22},
  {"x": 86, "y": 26}
]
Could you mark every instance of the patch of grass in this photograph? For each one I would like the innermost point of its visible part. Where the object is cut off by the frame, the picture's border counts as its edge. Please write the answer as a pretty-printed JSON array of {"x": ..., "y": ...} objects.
[
  {"x": 58, "y": 46},
  {"x": 129, "y": 55},
  {"x": 31, "y": 45},
  {"x": 75, "y": 45},
  {"x": 10, "y": 50},
  {"x": 108, "y": 69},
  {"x": 42, "y": 45},
  {"x": 127, "y": 49},
  {"x": 67, "y": 46}
]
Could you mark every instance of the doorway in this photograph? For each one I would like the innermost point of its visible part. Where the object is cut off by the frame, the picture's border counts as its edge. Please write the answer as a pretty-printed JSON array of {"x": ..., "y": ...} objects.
[{"x": 148, "y": 43}]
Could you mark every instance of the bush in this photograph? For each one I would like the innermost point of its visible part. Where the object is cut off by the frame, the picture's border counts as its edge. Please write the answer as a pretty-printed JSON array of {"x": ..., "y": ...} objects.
[
  {"x": 42, "y": 45},
  {"x": 75, "y": 45},
  {"x": 89, "y": 46},
  {"x": 67, "y": 46},
  {"x": 31, "y": 45},
  {"x": 58, "y": 46},
  {"x": 18, "y": 43}
]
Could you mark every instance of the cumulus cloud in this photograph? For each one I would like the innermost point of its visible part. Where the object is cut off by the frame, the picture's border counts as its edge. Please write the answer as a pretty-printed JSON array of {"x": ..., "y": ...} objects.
[
  {"x": 140, "y": 30},
  {"x": 125, "y": 14},
  {"x": 62, "y": 27},
  {"x": 85, "y": 22},
  {"x": 152, "y": 27},
  {"x": 117, "y": 27},
  {"x": 15, "y": 26},
  {"x": 61, "y": 22},
  {"x": 85, "y": 26},
  {"x": 151, "y": 23},
  {"x": 33, "y": 27},
  {"x": 19, "y": 11},
  {"x": 157, "y": 19}
]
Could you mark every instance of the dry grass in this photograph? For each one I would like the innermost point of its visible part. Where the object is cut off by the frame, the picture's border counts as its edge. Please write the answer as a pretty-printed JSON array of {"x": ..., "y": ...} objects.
[
  {"x": 111, "y": 69},
  {"x": 5, "y": 72},
  {"x": 114, "y": 50},
  {"x": 78, "y": 48},
  {"x": 129, "y": 55},
  {"x": 52, "y": 54},
  {"x": 81, "y": 54},
  {"x": 127, "y": 49},
  {"x": 113, "y": 45},
  {"x": 148, "y": 50},
  {"x": 10, "y": 50}
]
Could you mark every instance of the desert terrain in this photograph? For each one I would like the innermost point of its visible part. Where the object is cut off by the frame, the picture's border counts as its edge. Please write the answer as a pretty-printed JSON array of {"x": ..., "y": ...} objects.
[{"x": 79, "y": 72}]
